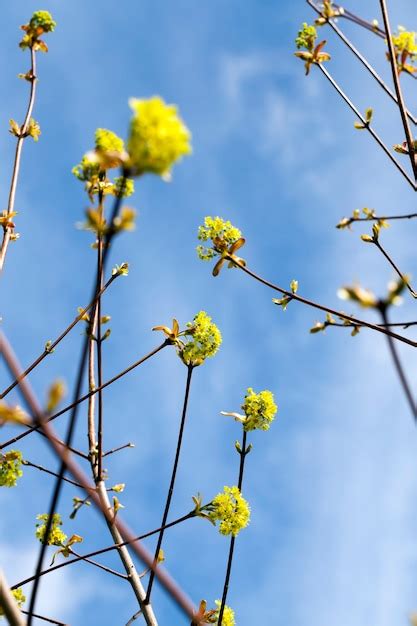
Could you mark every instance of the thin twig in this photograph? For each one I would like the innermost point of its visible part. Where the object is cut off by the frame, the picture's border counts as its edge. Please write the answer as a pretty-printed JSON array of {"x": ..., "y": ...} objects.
[
  {"x": 18, "y": 155},
  {"x": 316, "y": 305},
  {"x": 91, "y": 431},
  {"x": 37, "y": 429},
  {"x": 362, "y": 59},
  {"x": 376, "y": 30},
  {"x": 126, "y": 445},
  {"x": 395, "y": 267},
  {"x": 85, "y": 397},
  {"x": 367, "y": 126},
  {"x": 404, "y": 325},
  {"x": 99, "y": 357},
  {"x": 54, "y": 344},
  {"x": 352, "y": 17},
  {"x": 134, "y": 617},
  {"x": 398, "y": 365},
  {"x": 173, "y": 478},
  {"x": 243, "y": 453},
  {"x": 47, "y": 471},
  {"x": 44, "y": 619},
  {"x": 109, "y": 570},
  {"x": 398, "y": 91},
  {"x": 378, "y": 218}
]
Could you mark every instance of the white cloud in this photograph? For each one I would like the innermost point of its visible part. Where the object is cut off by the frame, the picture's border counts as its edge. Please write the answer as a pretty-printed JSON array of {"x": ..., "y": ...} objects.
[{"x": 266, "y": 100}]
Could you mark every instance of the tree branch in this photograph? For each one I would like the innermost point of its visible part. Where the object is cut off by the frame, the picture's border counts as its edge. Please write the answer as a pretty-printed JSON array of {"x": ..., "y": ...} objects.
[
  {"x": 54, "y": 344},
  {"x": 367, "y": 126},
  {"x": 17, "y": 158},
  {"x": 49, "y": 418},
  {"x": 397, "y": 85},
  {"x": 355, "y": 321}
]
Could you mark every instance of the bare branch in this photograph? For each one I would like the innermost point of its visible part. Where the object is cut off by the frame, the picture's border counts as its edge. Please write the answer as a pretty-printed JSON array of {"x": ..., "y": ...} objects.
[
  {"x": 56, "y": 341},
  {"x": 112, "y": 380},
  {"x": 398, "y": 91},
  {"x": 316, "y": 305},
  {"x": 367, "y": 126},
  {"x": 17, "y": 158}
]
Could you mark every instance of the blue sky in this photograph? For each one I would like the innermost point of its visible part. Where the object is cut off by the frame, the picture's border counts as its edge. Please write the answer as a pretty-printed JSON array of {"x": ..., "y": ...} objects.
[{"x": 333, "y": 484}]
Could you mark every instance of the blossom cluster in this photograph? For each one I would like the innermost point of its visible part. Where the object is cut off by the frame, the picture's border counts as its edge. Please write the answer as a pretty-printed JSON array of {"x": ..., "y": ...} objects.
[
  {"x": 405, "y": 41},
  {"x": 56, "y": 536},
  {"x": 405, "y": 50},
  {"x": 308, "y": 50},
  {"x": 228, "y": 615},
  {"x": 203, "y": 340},
  {"x": 222, "y": 235},
  {"x": 211, "y": 616},
  {"x": 260, "y": 410},
  {"x": 306, "y": 37},
  {"x": 18, "y": 596},
  {"x": 41, "y": 22},
  {"x": 158, "y": 137},
  {"x": 230, "y": 509},
  {"x": 10, "y": 464},
  {"x": 108, "y": 153}
]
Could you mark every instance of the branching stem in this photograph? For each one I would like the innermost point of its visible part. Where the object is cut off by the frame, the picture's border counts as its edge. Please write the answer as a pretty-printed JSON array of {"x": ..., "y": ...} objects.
[
  {"x": 112, "y": 380},
  {"x": 398, "y": 91},
  {"x": 367, "y": 126},
  {"x": 84, "y": 557},
  {"x": 395, "y": 267},
  {"x": 17, "y": 158},
  {"x": 355, "y": 321},
  {"x": 56, "y": 341},
  {"x": 361, "y": 58}
]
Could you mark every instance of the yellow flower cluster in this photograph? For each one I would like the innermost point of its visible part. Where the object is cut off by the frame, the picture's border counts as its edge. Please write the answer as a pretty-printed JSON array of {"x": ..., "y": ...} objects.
[
  {"x": 56, "y": 535},
  {"x": 306, "y": 37},
  {"x": 87, "y": 169},
  {"x": 222, "y": 235},
  {"x": 41, "y": 22},
  {"x": 10, "y": 464},
  {"x": 108, "y": 153},
  {"x": 405, "y": 50},
  {"x": 108, "y": 141},
  {"x": 306, "y": 44},
  {"x": 158, "y": 137},
  {"x": 228, "y": 615},
  {"x": 230, "y": 509},
  {"x": 204, "y": 339},
  {"x": 211, "y": 616},
  {"x": 18, "y": 596},
  {"x": 260, "y": 410},
  {"x": 405, "y": 41}
]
